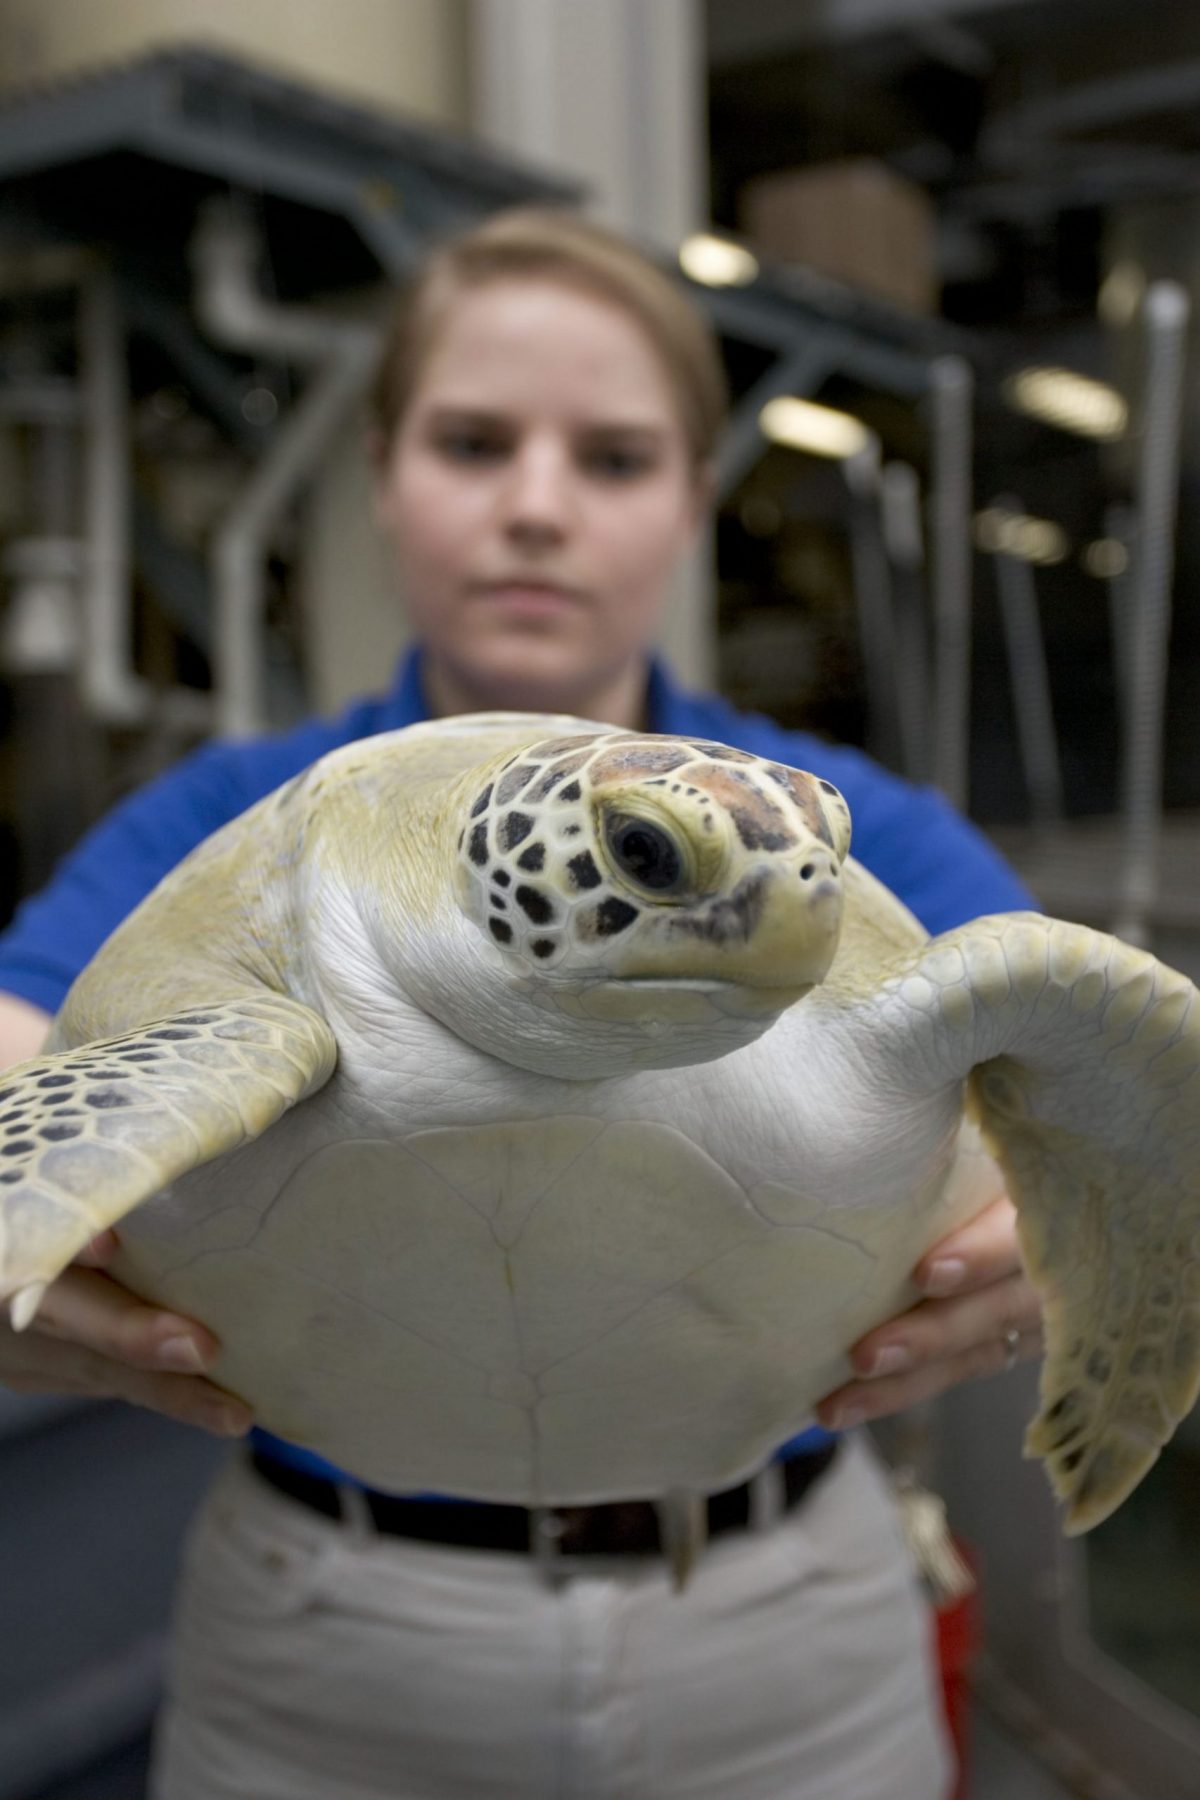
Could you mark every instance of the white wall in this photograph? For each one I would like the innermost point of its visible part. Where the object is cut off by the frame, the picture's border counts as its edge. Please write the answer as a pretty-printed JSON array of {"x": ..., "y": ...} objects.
[{"x": 405, "y": 55}]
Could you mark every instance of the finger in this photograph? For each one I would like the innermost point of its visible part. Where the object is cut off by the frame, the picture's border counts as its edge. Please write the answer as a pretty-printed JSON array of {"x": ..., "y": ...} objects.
[
  {"x": 33, "y": 1363},
  {"x": 982, "y": 1251},
  {"x": 937, "y": 1330},
  {"x": 87, "y": 1307},
  {"x": 859, "y": 1401},
  {"x": 100, "y": 1251}
]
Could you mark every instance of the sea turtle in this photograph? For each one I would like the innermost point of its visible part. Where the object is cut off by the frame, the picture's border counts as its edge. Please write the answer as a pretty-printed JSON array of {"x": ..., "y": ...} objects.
[{"x": 538, "y": 1110}]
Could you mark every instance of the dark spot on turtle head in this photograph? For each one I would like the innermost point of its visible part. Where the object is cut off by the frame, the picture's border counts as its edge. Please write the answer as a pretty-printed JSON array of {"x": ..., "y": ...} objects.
[
  {"x": 500, "y": 931},
  {"x": 515, "y": 827},
  {"x": 583, "y": 871},
  {"x": 534, "y": 905},
  {"x": 613, "y": 915},
  {"x": 1071, "y": 1459},
  {"x": 461, "y": 835},
  {"x": 511, "y": 783},
  {"x": 143, "y": 1056},
  {"x": 14, "y": 1112},
  {"x": 6, "y": 1093},
  {"x": 757, "y": 830},
  {"x": 171, "y": 1034},
  {"x": 532, "y": 859},
  {"x": 55, "y": 1081},
  {"x": 543, "y": 947},
  {"x": 719, "y": 752},
  {"x": 1098, "y": 1367},
  {"x": 10, "y": 1176},
  {"x": 731, "y": 920},
  {"x": 501, "y": 877},
  {"x": 106, "y": 1098},
  {"x": 566, "y": 765},
  {"x": 481, "y": 803},
  {"x": 567, "y": 745},
  {"x": 477, "y": 849},
  {"x": 546, "y": 785},
  {"x": 59, "y": 1132},
  {"x": 500, "y": 904},
  {"x": 572, "y": 830},
  {"x": 21, "y": 1147},
  {"x": 572, "y": 791}
]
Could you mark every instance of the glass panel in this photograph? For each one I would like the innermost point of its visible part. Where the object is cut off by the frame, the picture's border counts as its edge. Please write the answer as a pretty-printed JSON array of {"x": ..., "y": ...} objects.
[{"x": 1143, "y": 1573}]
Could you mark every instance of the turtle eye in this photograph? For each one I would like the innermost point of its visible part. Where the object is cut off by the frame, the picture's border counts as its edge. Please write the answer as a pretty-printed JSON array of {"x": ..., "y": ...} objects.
[{"x": 645, "y": 853}]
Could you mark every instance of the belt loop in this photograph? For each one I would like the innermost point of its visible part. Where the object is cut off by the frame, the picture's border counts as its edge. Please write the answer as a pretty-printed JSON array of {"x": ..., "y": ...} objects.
[
  {"x": 767, "y": 1495},
  {"x": 356, "y": 1511},
  {"x": 545, "y": 1544}
]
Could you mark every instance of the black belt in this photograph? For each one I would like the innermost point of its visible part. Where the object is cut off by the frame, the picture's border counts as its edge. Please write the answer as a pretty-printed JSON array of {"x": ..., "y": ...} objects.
[{"x": 618, "y": 1528}]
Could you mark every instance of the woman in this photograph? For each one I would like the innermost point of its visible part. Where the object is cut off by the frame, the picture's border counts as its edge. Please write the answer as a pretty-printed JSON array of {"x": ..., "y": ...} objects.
[{"x": 545, "y": 419}]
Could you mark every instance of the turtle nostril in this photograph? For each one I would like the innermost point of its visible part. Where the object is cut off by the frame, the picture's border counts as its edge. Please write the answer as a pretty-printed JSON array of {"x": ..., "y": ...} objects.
[{"x": 808, "y": 871}]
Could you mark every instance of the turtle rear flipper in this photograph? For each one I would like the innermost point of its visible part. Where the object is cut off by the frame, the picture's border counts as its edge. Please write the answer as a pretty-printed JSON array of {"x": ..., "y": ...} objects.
[
  {"x": 1086, "y": 1058},
  {"x": 90, "y": 1133}
]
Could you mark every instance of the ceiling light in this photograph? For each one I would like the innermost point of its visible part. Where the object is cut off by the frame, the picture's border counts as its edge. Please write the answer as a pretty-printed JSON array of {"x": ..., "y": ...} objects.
[
  {"x": 1121, "y": 293},
  {"x": 802, "y": 425},
  {"x": 1004, "y": 533},
  {"x": 1106, "y": 558},
  {"x": 1071, "y": 402},
  {"x": 716, "y": 261}
]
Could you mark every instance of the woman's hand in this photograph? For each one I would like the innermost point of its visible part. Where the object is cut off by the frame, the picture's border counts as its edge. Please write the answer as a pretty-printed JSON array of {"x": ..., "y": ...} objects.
[
  {"x": 977, "y": 1298},
  {"x": 91, "y": 1336}
]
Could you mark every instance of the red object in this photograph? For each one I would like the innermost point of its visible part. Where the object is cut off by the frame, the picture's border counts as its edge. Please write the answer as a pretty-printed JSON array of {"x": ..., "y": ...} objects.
[{"x": 957, "y": 1624}]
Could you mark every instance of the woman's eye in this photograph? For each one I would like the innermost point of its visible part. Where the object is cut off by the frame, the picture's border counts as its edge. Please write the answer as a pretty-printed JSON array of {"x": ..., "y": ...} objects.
[
  {"x": 615, "y": 464},
  {"x": 470, "y": 446}
]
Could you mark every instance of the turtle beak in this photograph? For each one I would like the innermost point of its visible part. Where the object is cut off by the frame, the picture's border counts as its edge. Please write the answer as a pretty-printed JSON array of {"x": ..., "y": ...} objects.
[{"x": 777, "y": 931}]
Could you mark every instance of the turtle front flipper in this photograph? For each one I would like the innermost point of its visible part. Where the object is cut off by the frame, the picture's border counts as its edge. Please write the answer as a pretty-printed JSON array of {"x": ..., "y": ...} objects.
[
  {"x": 1086, "y": 1058},
  {"x": 88, "y": 1134}
]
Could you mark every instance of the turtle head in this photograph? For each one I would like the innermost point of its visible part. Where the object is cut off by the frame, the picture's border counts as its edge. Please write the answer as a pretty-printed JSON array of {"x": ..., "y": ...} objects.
[{"x": 655, "y": 879}]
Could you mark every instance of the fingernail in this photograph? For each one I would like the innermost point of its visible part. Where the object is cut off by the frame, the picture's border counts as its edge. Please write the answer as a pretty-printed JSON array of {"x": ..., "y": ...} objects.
[
  {"x": 890, "y": 1360},
  {"x": 229, "y": 1421},
  {"x": 945, "y": 1276},
  {"x": 182, "y": 1354}
]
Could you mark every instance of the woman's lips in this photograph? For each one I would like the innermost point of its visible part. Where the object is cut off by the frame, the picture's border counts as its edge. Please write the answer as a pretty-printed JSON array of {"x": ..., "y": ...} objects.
[{"x": 529, "y": 599}]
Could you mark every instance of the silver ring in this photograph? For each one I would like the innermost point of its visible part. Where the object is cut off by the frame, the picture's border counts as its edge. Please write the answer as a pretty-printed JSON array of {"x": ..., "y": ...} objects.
[{"x": 1012, "y": 1348}]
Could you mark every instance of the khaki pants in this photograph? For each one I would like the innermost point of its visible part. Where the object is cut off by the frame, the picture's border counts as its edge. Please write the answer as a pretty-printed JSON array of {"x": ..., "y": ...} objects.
[{"x": 316, "y": 1661}]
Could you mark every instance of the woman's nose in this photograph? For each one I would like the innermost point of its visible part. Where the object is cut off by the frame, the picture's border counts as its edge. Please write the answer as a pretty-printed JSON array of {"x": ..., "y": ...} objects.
[{"x": 537, "y": 498}]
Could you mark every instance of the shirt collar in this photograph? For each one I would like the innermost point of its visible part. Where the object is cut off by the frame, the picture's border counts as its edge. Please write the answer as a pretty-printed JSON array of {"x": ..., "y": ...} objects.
[{"x": 406, "y": 703}]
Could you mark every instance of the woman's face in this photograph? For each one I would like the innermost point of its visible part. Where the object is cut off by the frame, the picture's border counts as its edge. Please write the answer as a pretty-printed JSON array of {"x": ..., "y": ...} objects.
[{"x": 538, "y": 494}]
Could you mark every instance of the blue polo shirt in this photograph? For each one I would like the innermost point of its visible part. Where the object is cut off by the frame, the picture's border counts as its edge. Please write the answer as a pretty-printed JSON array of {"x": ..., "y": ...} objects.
[{"x": 938, "y": 864}]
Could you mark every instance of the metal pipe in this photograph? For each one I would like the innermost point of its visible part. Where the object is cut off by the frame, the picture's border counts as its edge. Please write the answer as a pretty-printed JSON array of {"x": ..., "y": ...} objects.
[
  {"x": 239, "y": 548},
  {"x": 225, "y": 254},
  {"x": 343, "y": 354},
  {"x": 111, "y": 689},
  {"x": 952, "y": 388},
  {"x": 798, "y": 371},
  {"x": 900, "y": 511},
  {"x": 1029, "y": 680},
  {"x": 873, "y": 602},
  {"x": 1165, "y": 313}
]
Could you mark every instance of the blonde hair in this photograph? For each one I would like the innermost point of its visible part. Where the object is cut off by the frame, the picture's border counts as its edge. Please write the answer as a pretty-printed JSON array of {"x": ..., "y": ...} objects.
[{"x": 551, "y": 244}]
